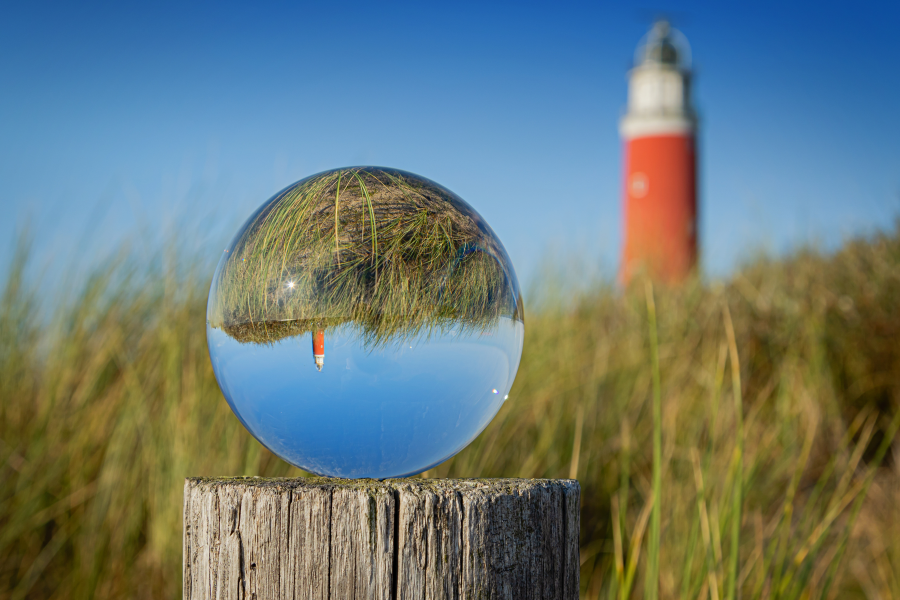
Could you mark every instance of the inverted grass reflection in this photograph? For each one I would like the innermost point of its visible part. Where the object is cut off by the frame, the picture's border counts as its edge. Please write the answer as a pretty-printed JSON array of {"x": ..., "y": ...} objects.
[{"x": 389, "y": 253}]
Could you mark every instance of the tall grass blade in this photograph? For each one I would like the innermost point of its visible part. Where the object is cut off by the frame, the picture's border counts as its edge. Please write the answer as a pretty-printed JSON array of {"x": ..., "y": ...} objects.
[
  {"x": 651, "y": 586},
  {"x": 737, "y": 501}
]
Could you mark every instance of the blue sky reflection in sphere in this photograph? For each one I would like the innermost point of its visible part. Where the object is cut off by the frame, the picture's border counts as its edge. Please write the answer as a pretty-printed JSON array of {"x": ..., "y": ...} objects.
[{"x": 365, "y": 322}]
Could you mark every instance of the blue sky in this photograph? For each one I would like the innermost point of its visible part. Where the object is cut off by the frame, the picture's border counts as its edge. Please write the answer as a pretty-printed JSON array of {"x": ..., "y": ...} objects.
[{"x": 118, "y": 121}]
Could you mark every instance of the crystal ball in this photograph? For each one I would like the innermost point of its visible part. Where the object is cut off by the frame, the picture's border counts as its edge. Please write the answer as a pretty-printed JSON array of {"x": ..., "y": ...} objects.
[{"x": 365, "y": 322}]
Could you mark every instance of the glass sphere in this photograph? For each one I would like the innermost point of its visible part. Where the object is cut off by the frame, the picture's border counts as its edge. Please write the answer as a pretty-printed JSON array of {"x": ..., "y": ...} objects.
[{"x": 365, "y": 322}]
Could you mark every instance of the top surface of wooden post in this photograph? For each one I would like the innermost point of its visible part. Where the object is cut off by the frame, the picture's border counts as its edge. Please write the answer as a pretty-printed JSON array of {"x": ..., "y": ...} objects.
[{"x": 395, "y": 539}]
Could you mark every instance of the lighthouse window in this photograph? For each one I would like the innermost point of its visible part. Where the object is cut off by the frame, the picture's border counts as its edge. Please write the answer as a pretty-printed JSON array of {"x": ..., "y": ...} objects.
[{"x": 640, "y": 185}]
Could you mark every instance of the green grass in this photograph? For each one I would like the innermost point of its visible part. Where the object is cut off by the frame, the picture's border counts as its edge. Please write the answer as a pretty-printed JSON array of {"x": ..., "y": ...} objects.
[{"x": 732, "y": 440}]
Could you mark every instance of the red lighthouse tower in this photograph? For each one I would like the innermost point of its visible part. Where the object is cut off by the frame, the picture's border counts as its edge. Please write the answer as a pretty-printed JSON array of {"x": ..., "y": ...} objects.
[
  {"x": 319, "y": 348},
  {"x": 660, "y": 188}
]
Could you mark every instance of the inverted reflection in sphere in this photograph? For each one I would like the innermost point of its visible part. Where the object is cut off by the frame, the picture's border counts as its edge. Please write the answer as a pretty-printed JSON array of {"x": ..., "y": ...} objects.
[{"x": 365, "y": 322}]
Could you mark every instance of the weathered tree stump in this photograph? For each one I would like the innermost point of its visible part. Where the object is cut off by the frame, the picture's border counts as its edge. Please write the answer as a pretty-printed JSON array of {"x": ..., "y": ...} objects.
[{"x": 396, "y": 539}]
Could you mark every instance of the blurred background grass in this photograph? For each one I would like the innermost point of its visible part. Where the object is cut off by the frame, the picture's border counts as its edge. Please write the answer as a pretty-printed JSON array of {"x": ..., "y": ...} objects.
[{"x": 773, "y": 398}]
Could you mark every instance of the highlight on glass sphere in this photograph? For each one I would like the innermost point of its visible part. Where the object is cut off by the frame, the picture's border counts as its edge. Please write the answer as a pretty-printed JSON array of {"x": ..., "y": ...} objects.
[{"x": 365, "y": 322}]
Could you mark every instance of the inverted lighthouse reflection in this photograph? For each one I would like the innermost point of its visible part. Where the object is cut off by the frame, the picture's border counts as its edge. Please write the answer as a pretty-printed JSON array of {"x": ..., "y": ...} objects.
[{"x": 410, "y": 292}]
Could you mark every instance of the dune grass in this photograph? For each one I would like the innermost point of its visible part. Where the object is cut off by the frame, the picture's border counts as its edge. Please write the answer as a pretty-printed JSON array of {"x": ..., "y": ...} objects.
[
  {"x": 732, "y": 440},
  {"x": 386, "y": 252}
]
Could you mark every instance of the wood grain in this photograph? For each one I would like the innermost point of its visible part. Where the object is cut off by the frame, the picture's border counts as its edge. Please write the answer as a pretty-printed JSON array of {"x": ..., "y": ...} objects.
[{"x": 398, "y": 539}]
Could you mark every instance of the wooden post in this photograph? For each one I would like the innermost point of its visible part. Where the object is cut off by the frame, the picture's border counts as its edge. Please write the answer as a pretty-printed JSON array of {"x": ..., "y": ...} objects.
[{"x": 322, "y": 538}]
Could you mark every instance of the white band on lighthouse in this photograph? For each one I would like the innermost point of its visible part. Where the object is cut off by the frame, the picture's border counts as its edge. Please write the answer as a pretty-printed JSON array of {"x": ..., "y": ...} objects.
[{"x": 635, "y": 126}]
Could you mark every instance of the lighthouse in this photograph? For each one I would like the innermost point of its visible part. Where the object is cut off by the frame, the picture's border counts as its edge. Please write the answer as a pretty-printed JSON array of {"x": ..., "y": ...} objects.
[
  {"x": 660, "y": 187},
  {"x": 319, "y": 348}
]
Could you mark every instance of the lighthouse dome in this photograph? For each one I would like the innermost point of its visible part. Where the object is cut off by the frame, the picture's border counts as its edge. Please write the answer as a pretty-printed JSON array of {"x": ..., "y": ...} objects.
[
  {"x": 665, "y": 46},
  {"x": 663, "y": 51}
]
